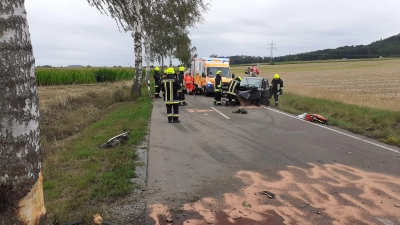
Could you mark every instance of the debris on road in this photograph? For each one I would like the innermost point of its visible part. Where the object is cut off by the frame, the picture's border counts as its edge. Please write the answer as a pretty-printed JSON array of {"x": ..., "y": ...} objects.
[
  {"x": 242, "y": 111},
  {"x": 114, "y": 141},
  {"x": 268, "y": 194},
  {"x": 315, "y": 118},
  {"x": 169, "y": 220},
  {"x": 398, "y": 206}
]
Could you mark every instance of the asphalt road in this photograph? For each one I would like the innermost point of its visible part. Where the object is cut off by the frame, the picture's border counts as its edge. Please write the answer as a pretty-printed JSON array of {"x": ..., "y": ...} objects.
[{"x": 265, "y": 167}]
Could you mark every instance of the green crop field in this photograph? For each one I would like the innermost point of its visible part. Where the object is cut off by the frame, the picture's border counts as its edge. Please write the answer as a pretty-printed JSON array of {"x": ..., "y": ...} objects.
[{"x": 67, "y": 76}]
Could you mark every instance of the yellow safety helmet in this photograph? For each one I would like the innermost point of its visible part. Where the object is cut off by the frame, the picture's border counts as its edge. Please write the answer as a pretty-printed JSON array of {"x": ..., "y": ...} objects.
[
  {"x": 171, "y": 70},
  {"x": 240, "y": 78},
  {"x": 276, "y": 76},
  {"x": 157, "y": 68},
  {"x": 219, "y": 72},
  {"x": 181, "y": 69},
  {"x": 165, "y": 71}
]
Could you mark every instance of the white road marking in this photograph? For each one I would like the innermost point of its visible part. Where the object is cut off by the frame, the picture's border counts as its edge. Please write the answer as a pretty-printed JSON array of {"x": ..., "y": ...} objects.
[
  {"x": 220, "y": 113},
  {"x": 348, "y": 135}
]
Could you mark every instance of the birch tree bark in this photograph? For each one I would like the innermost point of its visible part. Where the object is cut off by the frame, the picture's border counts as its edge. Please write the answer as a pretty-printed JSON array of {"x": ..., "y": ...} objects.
[
  {"x": 147, "y": 57},
  {"x": 21, "y": 189},
  {"x": 137, "y": 36}
]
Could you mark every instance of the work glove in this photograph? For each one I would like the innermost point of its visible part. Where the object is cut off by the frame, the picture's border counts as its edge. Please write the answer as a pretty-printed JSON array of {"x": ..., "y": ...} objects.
[{"x": 281, "y": 92}]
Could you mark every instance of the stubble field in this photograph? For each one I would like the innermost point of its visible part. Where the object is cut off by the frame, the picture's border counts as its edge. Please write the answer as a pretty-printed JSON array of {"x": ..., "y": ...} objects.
[{"x": 370, "y": 83}]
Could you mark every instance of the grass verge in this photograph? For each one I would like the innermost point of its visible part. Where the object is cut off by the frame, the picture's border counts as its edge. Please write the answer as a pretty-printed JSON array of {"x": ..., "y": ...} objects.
[
  {"x": 81, "y": 179},
  {"x": 381, "y": 125}
]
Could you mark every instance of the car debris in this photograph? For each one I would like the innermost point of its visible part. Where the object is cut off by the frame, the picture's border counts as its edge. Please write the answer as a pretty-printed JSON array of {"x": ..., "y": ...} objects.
[
  {"x": 114, "y": 141},
  {"x": 268, "y": 194},
  {"x": 241, "y": 110},
  {"x": 315, "y": 118}
]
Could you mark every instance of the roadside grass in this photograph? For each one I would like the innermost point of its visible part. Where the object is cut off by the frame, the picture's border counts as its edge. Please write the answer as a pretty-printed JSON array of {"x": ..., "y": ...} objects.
[
  {"x": 381, "y": 125},
  {"x": 81, "y": 179}
]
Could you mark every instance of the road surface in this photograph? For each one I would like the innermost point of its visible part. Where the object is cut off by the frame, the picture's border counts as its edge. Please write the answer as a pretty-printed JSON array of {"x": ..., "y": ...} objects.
[{"x": 265, "y": 167}]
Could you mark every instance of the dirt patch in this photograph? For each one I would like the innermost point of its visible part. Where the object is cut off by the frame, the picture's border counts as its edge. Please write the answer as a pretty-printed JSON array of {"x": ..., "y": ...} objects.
[{"x": 327, "y": 194}]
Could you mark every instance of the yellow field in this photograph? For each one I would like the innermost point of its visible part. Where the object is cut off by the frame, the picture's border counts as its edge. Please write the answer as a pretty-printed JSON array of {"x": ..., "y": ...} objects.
[{"x": 371, "y": 83}]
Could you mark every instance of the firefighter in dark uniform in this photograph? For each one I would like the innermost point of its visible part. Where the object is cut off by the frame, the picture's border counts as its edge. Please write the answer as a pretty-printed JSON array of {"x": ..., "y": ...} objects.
[
  {"x": 181, "y": 80},
  {"x": 275, "y": 89},
  {"x": 157, "y": 81},
  {"x": 218, "y": 88},
  {"x": 170, "y": 87},
  {"x": 232, "y": 91}
]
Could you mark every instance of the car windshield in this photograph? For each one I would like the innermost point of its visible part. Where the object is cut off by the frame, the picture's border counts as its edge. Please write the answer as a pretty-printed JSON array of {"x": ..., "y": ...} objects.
[
  {"x": 212, "y": 71},
  {"x": 249, "y": 82}
]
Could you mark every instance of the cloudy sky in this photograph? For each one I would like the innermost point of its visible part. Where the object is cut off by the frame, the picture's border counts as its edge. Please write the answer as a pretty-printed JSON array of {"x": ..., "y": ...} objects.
[{"x": 66, "y": 32}]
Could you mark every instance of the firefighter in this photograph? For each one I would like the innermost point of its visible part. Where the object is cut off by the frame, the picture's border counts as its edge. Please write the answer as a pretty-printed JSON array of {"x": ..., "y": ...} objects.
[
  {"x": 170, "y": 87},
  {"x": 275, "y": 89},
  {"x": 232, "y": 91},
  {"x": 218, "y": 88},
  {"x": 182, "y": 83},
  {"x": 157, "y": 79}
]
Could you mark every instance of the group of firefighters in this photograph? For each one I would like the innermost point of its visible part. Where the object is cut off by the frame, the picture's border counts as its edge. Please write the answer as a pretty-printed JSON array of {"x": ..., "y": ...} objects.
[{"x": 174, "y": 86}]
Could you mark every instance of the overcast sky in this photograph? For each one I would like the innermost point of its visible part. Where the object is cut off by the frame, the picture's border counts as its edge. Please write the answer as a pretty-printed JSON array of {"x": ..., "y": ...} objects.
[{"x": 67, "y": 32}]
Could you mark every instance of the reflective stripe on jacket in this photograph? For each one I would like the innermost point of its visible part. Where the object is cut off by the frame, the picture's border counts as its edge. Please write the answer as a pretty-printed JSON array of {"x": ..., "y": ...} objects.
[{"x": 233, "y": 86}]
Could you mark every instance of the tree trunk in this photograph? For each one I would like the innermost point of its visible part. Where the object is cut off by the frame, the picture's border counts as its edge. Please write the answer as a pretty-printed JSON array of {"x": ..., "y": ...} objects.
[
  {"x": 162, "y": 65},
  {"x": 148, "y": 60},
  {"x": 21, "y": 182},
  {"x": 170, "y": 60},
  {"x": 137, "y": 36}
]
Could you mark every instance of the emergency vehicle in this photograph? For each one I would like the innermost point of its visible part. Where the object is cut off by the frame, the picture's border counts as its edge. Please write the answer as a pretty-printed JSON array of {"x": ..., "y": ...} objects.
[{"x": 204, "y": 71}]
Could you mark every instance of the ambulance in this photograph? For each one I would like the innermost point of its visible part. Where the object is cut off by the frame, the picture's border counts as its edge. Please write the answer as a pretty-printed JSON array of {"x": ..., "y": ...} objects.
[{"x": 204, "y": 71}]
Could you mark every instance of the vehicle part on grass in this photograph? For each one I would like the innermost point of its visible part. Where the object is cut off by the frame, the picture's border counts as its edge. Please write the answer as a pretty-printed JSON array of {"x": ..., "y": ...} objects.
[
  {"x": 114, "y": 141},
  {"x": 315, "y": 118}
]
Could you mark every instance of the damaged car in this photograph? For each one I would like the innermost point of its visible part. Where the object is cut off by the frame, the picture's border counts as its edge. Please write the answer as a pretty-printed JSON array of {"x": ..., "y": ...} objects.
[{"x": 255, "y": 90}]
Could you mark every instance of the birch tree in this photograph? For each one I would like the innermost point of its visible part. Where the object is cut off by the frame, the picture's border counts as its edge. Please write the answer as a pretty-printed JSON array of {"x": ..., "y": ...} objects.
[
  {"x": 134, "y": 15},
  {"x": 21, "y": 182}
]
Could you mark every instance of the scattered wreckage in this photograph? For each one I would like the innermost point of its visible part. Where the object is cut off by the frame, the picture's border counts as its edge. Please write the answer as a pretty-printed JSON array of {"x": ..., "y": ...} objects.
[{"x": 315, "y": 118}]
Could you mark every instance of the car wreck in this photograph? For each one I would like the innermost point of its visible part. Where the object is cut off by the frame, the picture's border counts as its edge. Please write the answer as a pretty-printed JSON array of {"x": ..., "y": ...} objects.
[{"x": 254, "y": 90}]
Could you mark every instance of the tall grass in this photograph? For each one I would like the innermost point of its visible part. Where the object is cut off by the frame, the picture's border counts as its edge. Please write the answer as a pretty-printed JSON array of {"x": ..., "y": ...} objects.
[{"x": 67, "y": 76}]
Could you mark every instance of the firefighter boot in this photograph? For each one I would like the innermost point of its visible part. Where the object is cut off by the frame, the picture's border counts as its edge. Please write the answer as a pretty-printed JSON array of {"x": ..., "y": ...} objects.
[
  {"x": 276, "y": 104},
  {"x": 267, "y": 102}
]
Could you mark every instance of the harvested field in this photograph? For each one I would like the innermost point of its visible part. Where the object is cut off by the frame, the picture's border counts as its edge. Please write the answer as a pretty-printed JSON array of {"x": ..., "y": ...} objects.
[{"x": 370, "y": 83}]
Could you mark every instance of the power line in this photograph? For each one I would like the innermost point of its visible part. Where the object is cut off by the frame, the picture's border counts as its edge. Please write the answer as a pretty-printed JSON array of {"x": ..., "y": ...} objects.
[{"x": 272, "y": 48}]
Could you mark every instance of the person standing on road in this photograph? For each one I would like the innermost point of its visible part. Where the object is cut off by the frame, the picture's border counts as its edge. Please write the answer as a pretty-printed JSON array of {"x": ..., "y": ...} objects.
[
  {"x": 182, "y": 83},
  {"x": 170, "y": 87},
  {"x": 218, "y": 88},
  {"x": 275, "y": 89},
  {"x": 157, "y": 79},
  {"x": 232, "y": 91}
]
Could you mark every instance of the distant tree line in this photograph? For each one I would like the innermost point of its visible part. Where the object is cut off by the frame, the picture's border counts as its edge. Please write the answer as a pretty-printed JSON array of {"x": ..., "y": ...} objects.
[{"x": 389, "y": 47}]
